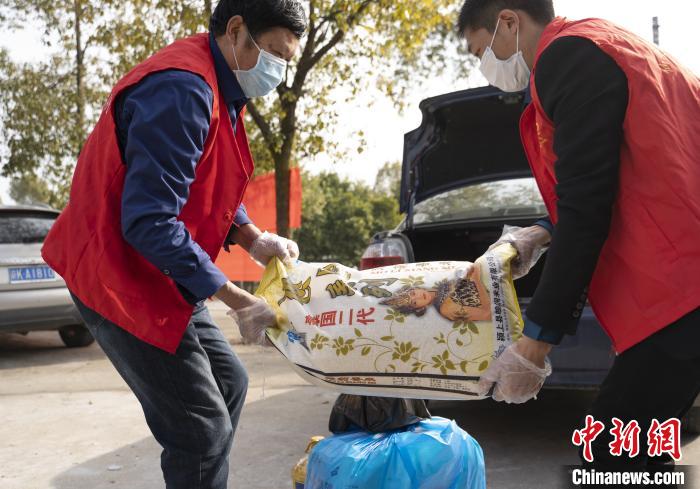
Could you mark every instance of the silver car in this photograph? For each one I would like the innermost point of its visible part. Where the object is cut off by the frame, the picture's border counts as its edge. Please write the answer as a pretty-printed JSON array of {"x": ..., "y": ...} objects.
[{"x": 32, "y": 296}]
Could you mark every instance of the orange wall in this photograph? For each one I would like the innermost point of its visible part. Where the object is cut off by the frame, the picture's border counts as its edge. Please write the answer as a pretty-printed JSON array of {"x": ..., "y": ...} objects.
[{"x": 260, "y": 202}]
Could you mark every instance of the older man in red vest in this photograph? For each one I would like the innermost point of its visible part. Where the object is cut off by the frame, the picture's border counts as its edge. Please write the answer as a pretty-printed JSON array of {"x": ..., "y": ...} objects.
[
  {"x": 612, "y": 139},
  {"x": 156, "y": 194}
]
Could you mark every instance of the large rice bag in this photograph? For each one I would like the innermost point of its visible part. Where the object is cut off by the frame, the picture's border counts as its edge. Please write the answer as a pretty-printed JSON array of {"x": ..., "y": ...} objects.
[
  {"x": 418, "y": 330},
  {"x": 433, "y": 454}
]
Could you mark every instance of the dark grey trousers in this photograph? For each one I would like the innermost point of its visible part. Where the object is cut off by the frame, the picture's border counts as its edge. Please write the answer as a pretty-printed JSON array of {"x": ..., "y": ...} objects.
[{"x": 191, "y": 400}]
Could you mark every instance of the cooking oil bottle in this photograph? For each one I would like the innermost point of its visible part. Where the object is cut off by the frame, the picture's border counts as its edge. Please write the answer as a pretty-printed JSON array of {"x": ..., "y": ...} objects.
[{"x": 299, "y": 470}]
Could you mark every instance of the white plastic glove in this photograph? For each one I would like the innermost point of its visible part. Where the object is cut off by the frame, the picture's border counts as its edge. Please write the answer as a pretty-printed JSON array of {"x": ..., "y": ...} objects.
[
  {"x": 529, "y": 243},
  {"x": 517, "y": 379},
  {"x": 268, "y": 245},
  {"x": 253, "y": 321}
]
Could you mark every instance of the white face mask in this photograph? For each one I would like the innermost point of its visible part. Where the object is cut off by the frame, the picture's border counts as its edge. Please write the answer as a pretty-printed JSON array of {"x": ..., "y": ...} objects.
[
  {"x": 264, "y": 77},
  {"x": 510, "y": 75}
]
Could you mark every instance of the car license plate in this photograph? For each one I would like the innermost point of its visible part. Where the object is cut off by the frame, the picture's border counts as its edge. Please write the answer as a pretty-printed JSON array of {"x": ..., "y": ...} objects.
[{"x": 40, "y": 273}]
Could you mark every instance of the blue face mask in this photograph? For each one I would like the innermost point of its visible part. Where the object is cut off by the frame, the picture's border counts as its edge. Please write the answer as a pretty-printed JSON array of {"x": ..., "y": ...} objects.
[{"x": 264, "y": 77}]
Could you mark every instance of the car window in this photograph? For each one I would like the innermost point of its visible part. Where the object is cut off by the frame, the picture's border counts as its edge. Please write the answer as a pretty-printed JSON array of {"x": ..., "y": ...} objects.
[
  {"x": 24, "y": 228},
  {"x": 517, "y": 197}
]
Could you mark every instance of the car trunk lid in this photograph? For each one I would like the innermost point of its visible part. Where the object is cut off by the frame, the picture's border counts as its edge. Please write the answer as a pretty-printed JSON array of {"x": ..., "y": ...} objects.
[{"x": 465, "y": 138}]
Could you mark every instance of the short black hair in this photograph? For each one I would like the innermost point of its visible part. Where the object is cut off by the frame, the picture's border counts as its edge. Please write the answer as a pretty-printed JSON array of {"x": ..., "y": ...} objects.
[
  {"x": 477, "y": 14},
  {"x": 260, "y": 16}
]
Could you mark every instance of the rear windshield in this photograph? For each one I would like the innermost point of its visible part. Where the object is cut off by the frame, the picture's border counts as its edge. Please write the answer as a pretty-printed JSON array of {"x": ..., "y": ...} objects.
[
  {"x": 518, "y": 197},
  {"x": 24, "y": 228}
]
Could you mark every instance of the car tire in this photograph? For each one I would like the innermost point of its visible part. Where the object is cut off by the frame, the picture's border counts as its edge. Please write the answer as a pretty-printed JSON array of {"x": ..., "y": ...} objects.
[
  {"x": 76, "y": 336},
  {"x": 691, "y": 421}
]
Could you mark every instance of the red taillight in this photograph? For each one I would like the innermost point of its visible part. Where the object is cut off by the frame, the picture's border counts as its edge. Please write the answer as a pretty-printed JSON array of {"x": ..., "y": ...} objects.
[
  {"x": 384, "y": 253},
  {"x": 382, "y": 261}
]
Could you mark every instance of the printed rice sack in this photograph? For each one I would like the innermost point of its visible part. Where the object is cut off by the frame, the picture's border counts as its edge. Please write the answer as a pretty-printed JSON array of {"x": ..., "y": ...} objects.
[{"x": 418, "y": 330}]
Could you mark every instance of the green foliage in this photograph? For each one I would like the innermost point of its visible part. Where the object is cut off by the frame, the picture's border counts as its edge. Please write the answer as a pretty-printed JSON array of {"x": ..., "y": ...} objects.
[
  {"x": 388, "y": 180},
  {"x": 38, "y": 105},
  {"x": 339, "y": 217},
  {"x": 30, "y": 190},
  {"x": 351, "y": 46},
  {"x": 139, "y": 28},
  {"x": 46, "y": 107}
]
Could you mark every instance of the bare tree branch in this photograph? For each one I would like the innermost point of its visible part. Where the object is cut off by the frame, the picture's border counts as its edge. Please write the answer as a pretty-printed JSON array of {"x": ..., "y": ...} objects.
[
  {"x": 324, "y": 33},
  {"x": 263, "y": 125},
  {"x": 312, "y": 13},
  {"x": 307, "y": 62},
  {"x": 318, "y": 55},
  {"x": 306, "y": 53}
]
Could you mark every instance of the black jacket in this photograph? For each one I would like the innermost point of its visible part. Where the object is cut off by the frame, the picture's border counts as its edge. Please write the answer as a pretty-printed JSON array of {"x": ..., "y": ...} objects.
[{"x": 584, "y": 93}]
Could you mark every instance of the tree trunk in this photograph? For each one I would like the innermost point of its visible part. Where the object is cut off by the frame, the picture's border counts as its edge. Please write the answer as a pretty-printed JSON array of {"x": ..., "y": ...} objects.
[
  {"x": 207, "y": 8},
  {"x": 282, "y": 195},
  {"x": 79, "y": 69},
  {"x": 283, "y": 164}
]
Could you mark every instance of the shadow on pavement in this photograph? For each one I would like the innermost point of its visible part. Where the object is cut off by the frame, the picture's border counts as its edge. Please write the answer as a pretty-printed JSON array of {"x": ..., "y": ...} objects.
[
  {"x": 524, "y": 445},
  {"x": 41, "y": 348},
  {"x": 271, "y": 438}
]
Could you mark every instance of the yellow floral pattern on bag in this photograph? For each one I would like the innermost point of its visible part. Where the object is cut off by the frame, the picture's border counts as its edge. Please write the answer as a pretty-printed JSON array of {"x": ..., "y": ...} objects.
[{"x": 415, "y": 330}]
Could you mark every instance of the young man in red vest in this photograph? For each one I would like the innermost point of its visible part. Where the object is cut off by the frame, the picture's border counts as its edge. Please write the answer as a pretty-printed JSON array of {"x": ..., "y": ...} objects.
[
  {"x": 612, "y": 139},
  {"x": 156, "y": 194}
]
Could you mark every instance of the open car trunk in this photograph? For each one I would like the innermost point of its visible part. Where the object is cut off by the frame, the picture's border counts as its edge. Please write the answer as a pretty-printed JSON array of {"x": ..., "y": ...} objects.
[
  {"x": 467, "y": 242},
  {"x": 465, "y": 176},
  {"x": 467, "y": 139}
]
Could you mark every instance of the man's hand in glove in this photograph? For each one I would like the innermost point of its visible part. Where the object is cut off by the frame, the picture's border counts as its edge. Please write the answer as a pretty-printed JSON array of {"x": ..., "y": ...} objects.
[
  {"x": 253, "y": 321},
  {"x": 269, "y": 245},
  {"x": 251, "y": 313},
  {"x": 530, "y": 242},
  {"x": 519, "y": 373}
]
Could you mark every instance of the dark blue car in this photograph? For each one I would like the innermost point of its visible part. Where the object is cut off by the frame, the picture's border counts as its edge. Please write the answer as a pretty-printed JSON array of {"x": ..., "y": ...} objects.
[{"x": 464, "y": 177}]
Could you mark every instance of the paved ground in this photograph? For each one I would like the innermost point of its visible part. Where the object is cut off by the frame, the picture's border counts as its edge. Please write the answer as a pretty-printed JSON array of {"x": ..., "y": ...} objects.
[{"x": 67, "y": 421}]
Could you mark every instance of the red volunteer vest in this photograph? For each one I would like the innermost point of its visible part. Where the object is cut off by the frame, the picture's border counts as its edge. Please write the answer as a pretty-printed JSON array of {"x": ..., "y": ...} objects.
[
  {"x": 85, "y": 245},
  {"x": 648, "y": 274}
]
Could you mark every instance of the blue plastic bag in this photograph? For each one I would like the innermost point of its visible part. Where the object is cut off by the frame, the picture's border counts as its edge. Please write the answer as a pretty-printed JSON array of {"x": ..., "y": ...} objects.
[{"x": 433, "y": 454}]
